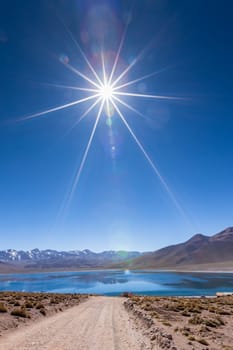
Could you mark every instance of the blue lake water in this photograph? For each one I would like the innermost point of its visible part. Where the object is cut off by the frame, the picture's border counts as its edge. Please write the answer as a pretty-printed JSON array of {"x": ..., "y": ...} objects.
[{"x": 116, "y": 282}]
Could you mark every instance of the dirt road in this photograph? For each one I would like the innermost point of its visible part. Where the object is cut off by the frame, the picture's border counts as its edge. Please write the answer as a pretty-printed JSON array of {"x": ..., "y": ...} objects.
[{"x": 101, "y": 323}]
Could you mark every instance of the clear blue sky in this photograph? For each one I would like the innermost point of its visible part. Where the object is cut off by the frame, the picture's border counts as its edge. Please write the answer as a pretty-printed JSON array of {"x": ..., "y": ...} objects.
[{"x": 119, "y": 202}]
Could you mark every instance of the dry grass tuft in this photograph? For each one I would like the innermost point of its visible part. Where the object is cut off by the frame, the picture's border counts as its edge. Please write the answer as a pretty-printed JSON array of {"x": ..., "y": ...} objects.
[
  {"x": 3, "y": 308},
  {"x": 203, "y": 341},
  {"x": 19, "y": 313}
]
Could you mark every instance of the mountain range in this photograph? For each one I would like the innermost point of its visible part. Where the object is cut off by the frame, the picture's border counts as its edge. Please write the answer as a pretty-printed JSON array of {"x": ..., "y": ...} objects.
[
  {"x": 199, "y": 252},
  {"x": 52, "y": 259}
]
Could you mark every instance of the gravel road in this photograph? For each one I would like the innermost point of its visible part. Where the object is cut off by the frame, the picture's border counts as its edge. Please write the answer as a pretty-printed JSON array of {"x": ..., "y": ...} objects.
[{"x": 100, "y": 323}]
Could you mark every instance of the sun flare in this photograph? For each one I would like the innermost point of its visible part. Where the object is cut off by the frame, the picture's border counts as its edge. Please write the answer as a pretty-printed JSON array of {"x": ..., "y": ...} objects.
[
  {"x": 110, "y": 92},
  {"x": 106, "y": 92}
]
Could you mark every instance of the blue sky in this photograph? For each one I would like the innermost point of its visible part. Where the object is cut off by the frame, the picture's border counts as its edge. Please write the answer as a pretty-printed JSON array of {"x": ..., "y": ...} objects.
[{"x": 119, "y": 202}]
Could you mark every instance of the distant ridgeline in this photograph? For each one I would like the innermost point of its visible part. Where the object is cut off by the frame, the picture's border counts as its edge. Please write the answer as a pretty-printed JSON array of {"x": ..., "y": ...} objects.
[
  {"x": 198, "y": 253},
  {"x": 53, "y": 259}
]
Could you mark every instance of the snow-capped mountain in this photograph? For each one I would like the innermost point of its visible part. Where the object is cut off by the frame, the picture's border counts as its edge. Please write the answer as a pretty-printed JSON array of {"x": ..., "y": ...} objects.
[{"x": 49, "y": 258}]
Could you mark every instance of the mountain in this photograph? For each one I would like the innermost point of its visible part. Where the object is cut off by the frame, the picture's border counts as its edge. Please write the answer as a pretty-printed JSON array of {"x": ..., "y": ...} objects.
[
  {"x": 52, "y": 259},
  {"x": 200, "y": 250}
]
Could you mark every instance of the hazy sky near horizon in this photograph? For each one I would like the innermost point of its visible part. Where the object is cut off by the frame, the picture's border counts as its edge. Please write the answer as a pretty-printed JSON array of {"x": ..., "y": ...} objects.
[{"x": 119, "y": 201}]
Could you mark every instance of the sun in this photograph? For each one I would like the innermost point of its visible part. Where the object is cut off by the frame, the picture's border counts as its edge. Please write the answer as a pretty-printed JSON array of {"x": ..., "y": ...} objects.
[{"x": 108, "y": 91}]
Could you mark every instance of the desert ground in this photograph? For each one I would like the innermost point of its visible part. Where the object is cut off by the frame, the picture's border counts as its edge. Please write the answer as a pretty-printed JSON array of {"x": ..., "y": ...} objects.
[
  {"x": 186, "y": 323},
  {"x": 18, "y": 309},
  {"x": 38, "y": 321},
  {"x": 101, "y": 323}
]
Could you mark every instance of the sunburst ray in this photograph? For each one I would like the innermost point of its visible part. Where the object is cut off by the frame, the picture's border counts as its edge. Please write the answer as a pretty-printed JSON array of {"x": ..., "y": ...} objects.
[
  {"x": 144, "y": 77},
  {"x": 67, "y": 105},
  {"x": 80, "y": 74},
  {"x": 129, "y": 107},
  {"x": 79, "y": 172},
  {"x": 153, "y": 166},
  {"x": 156, "y": 97},
  {"x": 82, "y": 53},
  {"x": 105, "y": 79},
  {"x": 85, "y": 113},
  {"x": 130, "y": 66},
  {"x": 71, "y": 87},
  {"x": 118, "y": 53}
]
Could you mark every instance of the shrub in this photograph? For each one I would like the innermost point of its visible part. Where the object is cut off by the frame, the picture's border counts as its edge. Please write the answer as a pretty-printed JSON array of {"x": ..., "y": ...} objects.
[
  {"x": 126, "y": 295},
  {"x": 186, "y": 333},
  {"x": 195, "y": 320},
  {"x": 19, "y": 313},
  {"x": 28, "y": 305},
  {"x": 185, "y": 313},
  {"x": 2, "y": 308},
  {"x": 191, "y": 338},
  {"x": 210, "y": 323},
  {"x": 220, "y": 320},
  {"x": 43, "y": 312},
  {"x": 224, "y": 312},
  {"x": 203, "y": 341}
]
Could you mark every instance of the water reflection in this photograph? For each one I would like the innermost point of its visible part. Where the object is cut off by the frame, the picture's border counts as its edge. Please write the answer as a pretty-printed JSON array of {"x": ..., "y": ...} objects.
[{"x": 116, "y": 282}]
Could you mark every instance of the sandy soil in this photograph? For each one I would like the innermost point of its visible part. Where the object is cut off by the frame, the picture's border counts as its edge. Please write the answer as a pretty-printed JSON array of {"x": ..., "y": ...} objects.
[{"x": 100, "y": 323}]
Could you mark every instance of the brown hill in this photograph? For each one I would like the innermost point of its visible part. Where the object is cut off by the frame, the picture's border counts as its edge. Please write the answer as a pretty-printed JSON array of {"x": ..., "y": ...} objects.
[{"x": 198, "y": 250}]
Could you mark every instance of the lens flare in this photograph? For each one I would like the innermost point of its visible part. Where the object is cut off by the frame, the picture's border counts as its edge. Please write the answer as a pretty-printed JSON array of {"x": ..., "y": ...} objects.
[{"x": 108, "y": 90}]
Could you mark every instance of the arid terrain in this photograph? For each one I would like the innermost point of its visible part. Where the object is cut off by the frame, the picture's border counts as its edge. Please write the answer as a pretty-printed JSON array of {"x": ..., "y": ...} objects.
[
  {"x": 186, "y": 323},
  {"x": 99, "y": 323},
  {"x": 35, "y": 321},
  {"x": 18, "y": 309}
]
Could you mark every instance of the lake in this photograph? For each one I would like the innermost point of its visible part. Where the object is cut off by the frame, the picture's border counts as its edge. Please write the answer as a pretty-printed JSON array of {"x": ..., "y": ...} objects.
[{"x": 115, "y": 282}]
